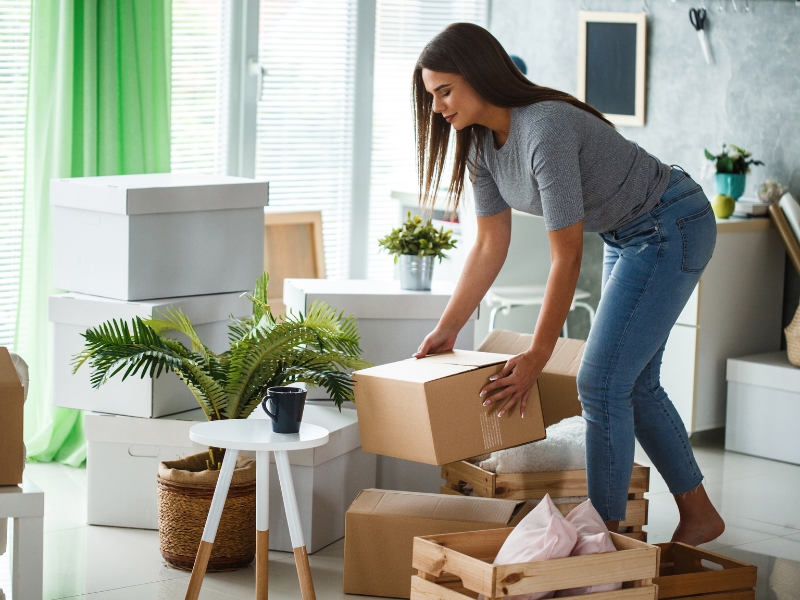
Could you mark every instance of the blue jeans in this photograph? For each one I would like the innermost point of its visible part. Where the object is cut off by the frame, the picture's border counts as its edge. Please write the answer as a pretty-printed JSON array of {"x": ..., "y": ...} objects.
[{"x": 651, "y": 267}]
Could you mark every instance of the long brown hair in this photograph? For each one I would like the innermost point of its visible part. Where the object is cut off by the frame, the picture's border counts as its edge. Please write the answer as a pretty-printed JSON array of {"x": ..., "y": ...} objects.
[{"x": 475, "y": 54}]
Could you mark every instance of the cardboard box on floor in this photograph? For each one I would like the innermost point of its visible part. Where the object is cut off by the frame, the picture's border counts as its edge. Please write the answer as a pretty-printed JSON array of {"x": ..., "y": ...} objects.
[
  {"x": 11, "y": 452},
  {"x": 429, "y": 410},
  {"x": 380, "y": 527}
]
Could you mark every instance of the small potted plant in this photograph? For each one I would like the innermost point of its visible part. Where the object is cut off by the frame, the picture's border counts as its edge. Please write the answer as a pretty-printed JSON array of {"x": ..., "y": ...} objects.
[
  {"x": 416, "y": 243},
  {"x": 732, "y": 165},
  {"x": 316, "y": 349}
]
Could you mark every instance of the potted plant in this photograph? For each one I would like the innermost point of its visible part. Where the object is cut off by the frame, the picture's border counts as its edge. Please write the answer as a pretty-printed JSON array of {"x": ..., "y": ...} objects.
[
  {"x": 416, "y": 243},
  {"x": 316, "y": 349},
  {"x": 732, "y": 165}
]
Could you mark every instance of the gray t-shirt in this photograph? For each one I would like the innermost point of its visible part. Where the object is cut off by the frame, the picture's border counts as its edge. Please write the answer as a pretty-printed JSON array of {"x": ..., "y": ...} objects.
[{"x": 565, "y": 164}]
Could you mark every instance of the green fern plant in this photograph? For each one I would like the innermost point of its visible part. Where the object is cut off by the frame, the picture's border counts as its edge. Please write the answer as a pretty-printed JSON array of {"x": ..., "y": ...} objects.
[{"x": 318, "y": 348}]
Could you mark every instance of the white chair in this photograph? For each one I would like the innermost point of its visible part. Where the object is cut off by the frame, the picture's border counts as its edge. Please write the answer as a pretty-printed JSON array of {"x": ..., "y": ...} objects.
[{"x": 507, "y": 297}]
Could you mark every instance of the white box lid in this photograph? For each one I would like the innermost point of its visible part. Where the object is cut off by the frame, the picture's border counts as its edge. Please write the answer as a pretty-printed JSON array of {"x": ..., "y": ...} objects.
[
  {"x": 173, "y": 430},
  {"x": 82, "y": 309},
  {"x": 367, "y": 299},
  {"x": 770, "y": 370},
  {"x": 158, "y": 193}
]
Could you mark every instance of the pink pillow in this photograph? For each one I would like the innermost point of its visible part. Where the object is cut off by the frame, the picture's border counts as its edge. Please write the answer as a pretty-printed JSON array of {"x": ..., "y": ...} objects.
[
  {"x": 543, "y": 534},
  {"x": 593, "y": 538}
]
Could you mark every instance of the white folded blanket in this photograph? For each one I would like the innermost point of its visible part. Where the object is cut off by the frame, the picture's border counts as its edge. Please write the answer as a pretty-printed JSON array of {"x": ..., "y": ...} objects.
[{"x": 564, "y": 449}]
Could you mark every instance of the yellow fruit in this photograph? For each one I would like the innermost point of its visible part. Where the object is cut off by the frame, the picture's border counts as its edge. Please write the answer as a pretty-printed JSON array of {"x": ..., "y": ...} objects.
[{"x": 723, "y": 206}]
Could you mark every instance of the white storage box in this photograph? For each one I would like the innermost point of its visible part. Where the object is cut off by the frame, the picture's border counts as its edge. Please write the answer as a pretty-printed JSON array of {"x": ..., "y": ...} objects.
[
  {"x": 124, "y": 453},
  {"x": 392, "y": 324},
  {"x": 72, "y": 314},
  {"x": 763, "y": 406},
  {"x": 161, "y": 235}
]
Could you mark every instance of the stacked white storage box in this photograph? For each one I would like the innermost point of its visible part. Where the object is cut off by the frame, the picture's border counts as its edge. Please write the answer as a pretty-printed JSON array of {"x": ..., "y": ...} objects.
[
  {"x": 135, "y": 245},
  {"x": 392, "y": 324},
  {"x": 124, "y": 452},
  {"x": 763, "y": 406}
]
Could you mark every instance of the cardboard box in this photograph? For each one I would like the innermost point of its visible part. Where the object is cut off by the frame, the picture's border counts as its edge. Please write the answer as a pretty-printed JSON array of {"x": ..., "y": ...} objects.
[
  {"x": 159, "y": 235},
  {"x": 429, "y": 410},
  {"x": 124, "y": 452},
  {"x": 385, "y": 312},
  {"x": 72, "y": 314},
  {"x": 381, "y": 527},
  {"x": 11, "y": 452},
  {"x": 763, "y": 406},
  {"x": 558, "y": 380}
]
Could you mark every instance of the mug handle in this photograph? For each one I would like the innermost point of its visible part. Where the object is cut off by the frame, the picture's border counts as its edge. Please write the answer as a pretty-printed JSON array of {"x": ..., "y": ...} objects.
[{"x": 266, "y": 410}]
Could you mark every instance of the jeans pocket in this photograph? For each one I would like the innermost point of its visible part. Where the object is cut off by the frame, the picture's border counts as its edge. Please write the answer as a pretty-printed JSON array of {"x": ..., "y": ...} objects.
[{"x": 699, "y": 233}]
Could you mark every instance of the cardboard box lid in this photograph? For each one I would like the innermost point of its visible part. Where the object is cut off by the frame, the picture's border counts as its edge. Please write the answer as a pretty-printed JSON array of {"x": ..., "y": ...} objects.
[
  {"x": 158, "y": 193},
  {"x": 558, "y": 388},
  {"x": 367, "y": 299},
  {"x": 494, "y": 512},
  {"x": 85, "y": 310},
  {"x": 770, "y": 370},
  {"x": 173, "y": 430},
  {"x": 434, "y": 367}
]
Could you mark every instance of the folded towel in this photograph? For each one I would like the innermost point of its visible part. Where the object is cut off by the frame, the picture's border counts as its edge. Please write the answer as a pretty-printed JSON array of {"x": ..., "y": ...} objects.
[{"x": 564, "y": 449}]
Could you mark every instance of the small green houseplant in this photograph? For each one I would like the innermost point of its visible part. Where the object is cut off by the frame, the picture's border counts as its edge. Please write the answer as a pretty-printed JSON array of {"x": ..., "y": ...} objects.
[
  {"x": 415, "y": 244},
  {"x": 732, "y": 166},
  {"x": 317, "y": 349}
]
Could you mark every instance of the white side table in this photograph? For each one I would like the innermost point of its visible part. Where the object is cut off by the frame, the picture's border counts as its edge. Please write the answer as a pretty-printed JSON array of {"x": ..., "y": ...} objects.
[
  {"x": 256, "y": 435},
  {"x": 25, "y": 504}
]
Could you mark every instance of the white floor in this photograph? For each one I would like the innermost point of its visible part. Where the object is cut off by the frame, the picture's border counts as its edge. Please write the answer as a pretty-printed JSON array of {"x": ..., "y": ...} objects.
[{"x": 758, "y": 499}]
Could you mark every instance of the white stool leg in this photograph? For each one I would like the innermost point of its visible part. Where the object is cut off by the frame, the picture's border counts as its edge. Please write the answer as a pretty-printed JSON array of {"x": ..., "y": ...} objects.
[
  {"x": 262, "y": 524},
  {"x": 212, "y": 522},
  {"x": 588, "y": 307},
  {"x": 295, "y": 527},
  {"x": 27, "y": 556}
]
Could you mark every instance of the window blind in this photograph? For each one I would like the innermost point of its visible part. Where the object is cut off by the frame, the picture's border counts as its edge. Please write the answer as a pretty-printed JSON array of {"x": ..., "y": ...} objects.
[
  {"x": 199, "y": 83},
  {"x": 305, "y": 116},
  {"x": 402, "y": 29},
  {"x": 15, "y": 24}
]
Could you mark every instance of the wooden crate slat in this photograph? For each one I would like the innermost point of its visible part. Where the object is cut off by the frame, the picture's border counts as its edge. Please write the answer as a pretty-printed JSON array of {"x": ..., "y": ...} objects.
[
  {"x": 640, "y": 479},
  {"x": 575, "y": 571},
  {"x": 689, "y": 578},
  {"x": 427, "y": 590},
  {"x": 435, "y": 559},
  {"x": 482, "y": 482}
]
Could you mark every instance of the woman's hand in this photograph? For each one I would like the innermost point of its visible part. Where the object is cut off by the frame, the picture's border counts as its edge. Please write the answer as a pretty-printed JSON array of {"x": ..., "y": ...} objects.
[
  {"x": 514, "y": 381},
  {"x": 438, "y": 340}
]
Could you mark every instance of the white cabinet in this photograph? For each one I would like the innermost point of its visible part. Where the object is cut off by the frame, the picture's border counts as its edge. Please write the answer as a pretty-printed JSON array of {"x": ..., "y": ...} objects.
[{"x": 735, "y": 310}]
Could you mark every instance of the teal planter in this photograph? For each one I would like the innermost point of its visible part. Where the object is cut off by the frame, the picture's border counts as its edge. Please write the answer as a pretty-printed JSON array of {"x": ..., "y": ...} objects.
[{"x": 731, "y": 184}]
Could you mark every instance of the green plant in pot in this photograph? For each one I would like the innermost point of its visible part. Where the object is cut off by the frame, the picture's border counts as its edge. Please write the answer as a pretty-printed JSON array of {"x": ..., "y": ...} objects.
[
  {"x": 415, "y": 244},
  {"x": 318, "y": 348},
  {"x": 732, "y": 166}
]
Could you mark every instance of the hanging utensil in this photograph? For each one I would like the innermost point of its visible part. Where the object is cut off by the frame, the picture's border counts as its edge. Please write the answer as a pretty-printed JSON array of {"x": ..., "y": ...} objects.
[{"x": 697, "y": 17}]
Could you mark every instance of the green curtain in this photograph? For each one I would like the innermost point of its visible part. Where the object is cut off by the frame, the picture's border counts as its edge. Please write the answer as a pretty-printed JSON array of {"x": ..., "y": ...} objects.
[{"x": 98, "y": 104}]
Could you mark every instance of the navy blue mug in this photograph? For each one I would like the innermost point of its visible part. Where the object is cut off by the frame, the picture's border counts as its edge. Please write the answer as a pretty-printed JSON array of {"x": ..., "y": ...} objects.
[{"x": 288, "y": 404}]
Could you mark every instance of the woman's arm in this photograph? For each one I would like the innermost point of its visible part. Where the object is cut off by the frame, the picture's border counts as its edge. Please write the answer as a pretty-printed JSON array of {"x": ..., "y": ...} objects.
[
  {"x": 480, "y": 270},
  {"x": 520, "y": 373}
]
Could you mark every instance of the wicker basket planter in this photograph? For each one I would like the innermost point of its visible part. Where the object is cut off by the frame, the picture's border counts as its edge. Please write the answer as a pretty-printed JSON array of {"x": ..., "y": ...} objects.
[
  {"x": 185, "y": 490},
  {"x": 793, "y": 339}
]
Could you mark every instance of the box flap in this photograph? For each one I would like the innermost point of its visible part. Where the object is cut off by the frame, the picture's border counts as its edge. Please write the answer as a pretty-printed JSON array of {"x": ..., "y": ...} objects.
[
  {"x": 770, "y": 370},
  {"x": 558, "y": 388},
  {"x": 89, "y": 311},
  {"x": 495, "y": 512},
  {"x": 437, "y": 366},
  {"x": 158, "y": 193},
  {"x": 12, "y": 394}
]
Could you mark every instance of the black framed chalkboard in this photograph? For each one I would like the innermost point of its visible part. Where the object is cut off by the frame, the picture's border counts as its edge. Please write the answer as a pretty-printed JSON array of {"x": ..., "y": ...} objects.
[{"x": 611, "y": 65}]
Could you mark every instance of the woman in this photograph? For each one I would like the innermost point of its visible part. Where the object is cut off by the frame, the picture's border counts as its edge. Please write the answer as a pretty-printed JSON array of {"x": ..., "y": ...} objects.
[{"x": 546, "y": 153}]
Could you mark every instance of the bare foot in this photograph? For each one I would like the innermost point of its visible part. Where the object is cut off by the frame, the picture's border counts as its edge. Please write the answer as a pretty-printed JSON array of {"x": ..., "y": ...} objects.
[
  {"x": 700, "y": 522},
  {"x": 695, "y": 533}
]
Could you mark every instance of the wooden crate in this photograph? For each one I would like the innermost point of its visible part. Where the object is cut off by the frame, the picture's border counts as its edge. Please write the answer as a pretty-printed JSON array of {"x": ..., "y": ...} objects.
[
  {"x": 457, "y": 566},
  {"x": 559, "y": 484},
  {"x": 683, "y": 575}
]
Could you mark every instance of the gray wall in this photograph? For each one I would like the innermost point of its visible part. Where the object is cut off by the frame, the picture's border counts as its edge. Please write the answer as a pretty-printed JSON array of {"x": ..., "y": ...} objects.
[{"x": 749, "y": 96}]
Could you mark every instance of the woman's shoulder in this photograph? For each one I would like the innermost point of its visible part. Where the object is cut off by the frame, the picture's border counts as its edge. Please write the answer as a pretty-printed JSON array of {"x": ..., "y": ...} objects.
[{"x": 553, "y": 113}]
